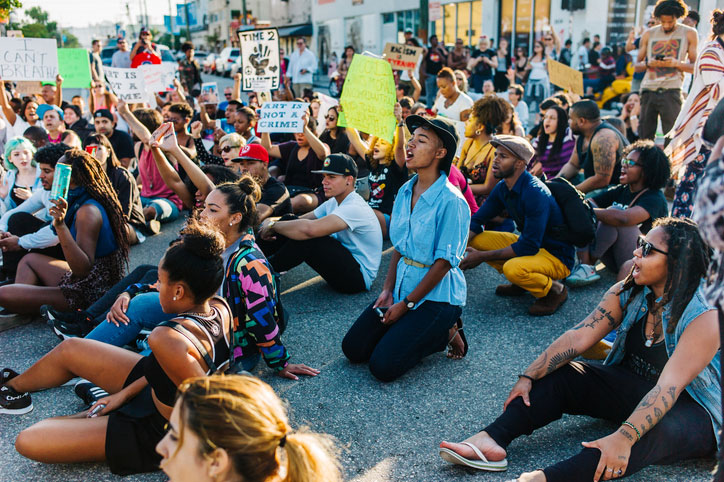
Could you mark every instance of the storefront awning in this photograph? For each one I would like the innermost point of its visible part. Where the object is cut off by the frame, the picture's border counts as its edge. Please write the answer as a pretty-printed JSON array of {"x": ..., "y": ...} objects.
[{"x": 303, "y": 30}]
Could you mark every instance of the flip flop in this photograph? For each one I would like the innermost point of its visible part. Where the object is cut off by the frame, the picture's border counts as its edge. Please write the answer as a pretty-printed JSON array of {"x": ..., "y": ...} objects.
[
  {"x": 458, "y": 331},
  {"x": 481, "y": 464}
]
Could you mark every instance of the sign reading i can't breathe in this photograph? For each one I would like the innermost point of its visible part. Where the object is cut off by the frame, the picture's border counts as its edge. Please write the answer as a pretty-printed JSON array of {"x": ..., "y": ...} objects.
[
  {"x": 28, "y": 59},
  {"x": 282, "y": 117},
  {"x": 127, "y": 84},
  {"x": 259, "y": 59}
]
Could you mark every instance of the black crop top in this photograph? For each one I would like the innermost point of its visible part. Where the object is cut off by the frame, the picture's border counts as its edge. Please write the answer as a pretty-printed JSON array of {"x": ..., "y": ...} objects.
[
  {"x": 213, "y": 328},
  {"x": 644, "y": 361}
]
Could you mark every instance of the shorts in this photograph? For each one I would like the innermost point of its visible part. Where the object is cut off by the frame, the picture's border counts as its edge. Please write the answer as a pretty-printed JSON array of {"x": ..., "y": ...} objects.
[
  {"x": 134, "y": 431},
  {"x": 166, "y": 211}
]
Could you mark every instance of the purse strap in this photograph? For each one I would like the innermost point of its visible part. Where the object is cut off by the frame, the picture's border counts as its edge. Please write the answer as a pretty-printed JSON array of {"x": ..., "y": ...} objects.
[{"x": 637, "y": 197}]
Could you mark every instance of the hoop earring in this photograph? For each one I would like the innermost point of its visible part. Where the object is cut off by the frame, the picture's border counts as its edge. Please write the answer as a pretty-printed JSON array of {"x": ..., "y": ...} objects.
[{"x": 478, "y": 132}]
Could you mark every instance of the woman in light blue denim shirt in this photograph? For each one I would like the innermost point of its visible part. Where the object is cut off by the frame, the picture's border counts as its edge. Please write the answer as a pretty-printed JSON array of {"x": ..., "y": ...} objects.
[
  {"x": 660, "y": 382},
  {"x": 418, "y": 311}
]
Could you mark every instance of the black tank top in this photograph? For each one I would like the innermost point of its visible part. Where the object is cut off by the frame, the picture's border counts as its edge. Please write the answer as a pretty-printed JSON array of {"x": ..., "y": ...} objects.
[
  {"x": 646, "y": 362},
  {"x": 213, "y": 327},
  {"x": 586, "y": 160}
]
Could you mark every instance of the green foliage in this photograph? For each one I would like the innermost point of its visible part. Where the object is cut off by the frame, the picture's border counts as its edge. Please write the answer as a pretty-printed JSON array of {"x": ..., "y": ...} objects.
[
  {"x": 8, "y": 5},
  {"x": 35, "y": 30},
  {"x": 37, "y": 14},
  {"x": 71, "y": 41}
]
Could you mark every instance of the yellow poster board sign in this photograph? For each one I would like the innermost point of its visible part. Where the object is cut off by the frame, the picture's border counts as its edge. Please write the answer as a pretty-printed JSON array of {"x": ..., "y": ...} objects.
[{"x": 565, "y": 77}]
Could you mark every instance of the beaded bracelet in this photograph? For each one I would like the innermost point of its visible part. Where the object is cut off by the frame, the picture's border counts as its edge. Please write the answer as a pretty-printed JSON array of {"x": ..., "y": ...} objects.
[{"x": 629, "y": 424}]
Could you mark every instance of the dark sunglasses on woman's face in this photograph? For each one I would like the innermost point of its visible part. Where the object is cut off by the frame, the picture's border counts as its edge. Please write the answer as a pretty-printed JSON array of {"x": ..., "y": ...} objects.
[
  {"x": 629, "y": 163},
  {"x": 326, "y": 117},
  {"x": 647, "y": 247},
  {"x": 227, "y": 149}
]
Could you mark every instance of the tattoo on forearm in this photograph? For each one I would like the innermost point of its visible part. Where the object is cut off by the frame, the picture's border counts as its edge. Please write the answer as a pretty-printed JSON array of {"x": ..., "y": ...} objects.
[
  {"x": 560, "y": 358},
  {"x": 625, "y": 433},
  {"x": 649, "y": 399},
  {"x": 653, "y": 413},
  {"x": 658, "y": 414},
  {"x": 666, "y": 404}
]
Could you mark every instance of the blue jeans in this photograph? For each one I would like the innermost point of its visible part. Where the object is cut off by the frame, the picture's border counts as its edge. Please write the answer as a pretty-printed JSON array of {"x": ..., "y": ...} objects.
[
  {"x": 393, "y": 350},
  {"x": 166, "y": 211},
  {"x": 430, "y": 89},
  {"x": 144, "y": 312}
]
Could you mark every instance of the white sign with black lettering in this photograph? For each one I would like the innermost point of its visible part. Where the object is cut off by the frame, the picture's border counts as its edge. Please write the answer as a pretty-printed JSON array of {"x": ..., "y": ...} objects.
[
  {"x": 282, "y": 117},
  {"x": 28, "y": 59},
  {"x": 127, "y": 84},
  {"x": 260, "y": 69}
]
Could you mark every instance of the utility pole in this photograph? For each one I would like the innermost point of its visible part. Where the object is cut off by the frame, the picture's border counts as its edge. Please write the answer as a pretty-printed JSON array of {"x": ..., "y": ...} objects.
[
  {"x": 243, "y": 12},
  {"x": 188, "y": 28},
  {"x": 424, "y": 21}
]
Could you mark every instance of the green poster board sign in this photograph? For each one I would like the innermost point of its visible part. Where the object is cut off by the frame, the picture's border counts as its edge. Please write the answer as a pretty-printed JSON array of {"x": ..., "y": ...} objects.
[{"x": 74, "y": 67}]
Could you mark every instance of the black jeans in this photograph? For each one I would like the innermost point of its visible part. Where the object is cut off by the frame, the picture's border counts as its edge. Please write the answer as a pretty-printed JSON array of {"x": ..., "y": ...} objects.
[
  {"x": 20, "y": 224},
  {"x": 395, "y": 349},
  {"x": 610, "y": 393},
  {"x": 144, "y": 274},
  {"x": 665, "y": 104},
  {"x": 327, "y": 257}
]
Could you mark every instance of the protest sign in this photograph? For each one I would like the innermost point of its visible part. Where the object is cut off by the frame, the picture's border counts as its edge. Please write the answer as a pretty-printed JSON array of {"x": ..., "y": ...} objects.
[
  {"x": 27, "y": 87},
  {"x": 368, "y": 97},
  {"x": 401, "y": 56},
  {"x": 259, "y": 59},
  {"x": 281, "y": 117},
  {"x": 209, "y": 93},
  {"x": 325, "y": 103},
  {"x": 28, "y": 59},
  {"x": 158, "y": 77},
  {"x": 127, "y": 84},
  {"x": 14, "y": 33},
  {"x": 74, "y": 67},
  {"x": 565, "y": 77}
]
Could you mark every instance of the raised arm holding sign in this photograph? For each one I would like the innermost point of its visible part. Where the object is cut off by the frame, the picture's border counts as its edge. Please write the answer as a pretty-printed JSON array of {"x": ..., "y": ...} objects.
[
  {"x": 282, "y": 117},
  {"x": 259, "y": 59}
]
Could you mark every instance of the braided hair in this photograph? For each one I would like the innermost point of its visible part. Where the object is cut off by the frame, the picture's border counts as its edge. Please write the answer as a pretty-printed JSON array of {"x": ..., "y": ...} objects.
[
  {"x": 87, "y": 172},
  {"x": 687, "y": 262},
  {"x": 241, "y": 197}
]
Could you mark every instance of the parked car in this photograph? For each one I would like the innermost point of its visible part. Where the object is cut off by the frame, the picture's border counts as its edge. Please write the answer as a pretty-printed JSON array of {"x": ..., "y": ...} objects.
[
  {"x": 209, "y": 63},
  {"x": 225, "y": 60}
]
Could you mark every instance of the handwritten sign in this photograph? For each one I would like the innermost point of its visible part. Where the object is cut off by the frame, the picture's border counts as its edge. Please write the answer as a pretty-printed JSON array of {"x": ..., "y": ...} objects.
[
  {"x": 260, "y": 68},
  {"x": 368, "y": 97},
  {"x": 565, "y": 77},
  {"x": 15, "y": 33},
  {"x": 28, "y": 59},
  {"x": 281, "y": 117},
  {"x": 325, "y": 103},
  {"x": 209, "y": 93},
  {"x": 27, "y": 87},
  {"x": 401, "y": 56},
  {"x": 127, "y": 84},
  {"x": 158, "y": 77},
  {"x": 74, "y": 66}
]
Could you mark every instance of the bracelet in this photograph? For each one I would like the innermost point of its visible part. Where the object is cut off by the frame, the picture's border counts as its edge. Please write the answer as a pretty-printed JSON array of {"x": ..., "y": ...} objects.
[
  {"x": 523, "y": 375},
  {"x": 401, "y": 124},
  {"x": 629, "y": 424}
]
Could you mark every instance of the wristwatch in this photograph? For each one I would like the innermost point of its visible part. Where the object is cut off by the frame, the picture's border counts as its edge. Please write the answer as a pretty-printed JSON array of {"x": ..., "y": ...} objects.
[
  {"x": 410, "y": 304},
  {"x": 271, "y": 224}
]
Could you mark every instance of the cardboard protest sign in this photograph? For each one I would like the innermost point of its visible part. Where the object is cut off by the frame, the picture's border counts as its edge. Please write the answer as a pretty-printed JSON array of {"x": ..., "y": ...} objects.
[
  {"x": 401, "y": 56},
  {"x": 368, "y": 97},
  {"x": 281, "y": 117},
  {"x": 28, "y": 87},
  {"x": 158, "y": 78},
  {"x": 127, "y": 84},
  {"x": 565, "y": 77},
  {"x": 74, "y": 67},
  {"x": 28, "y": 59},
  {"x": 209, "y": 93},
  {"x": 260, "y": 68}
]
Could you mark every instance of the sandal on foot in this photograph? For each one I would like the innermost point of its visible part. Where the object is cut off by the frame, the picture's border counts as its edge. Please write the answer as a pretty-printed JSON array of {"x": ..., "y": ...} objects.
[
  {"x": 483, "y": 463},
  {"x": 458, "y": 331}
]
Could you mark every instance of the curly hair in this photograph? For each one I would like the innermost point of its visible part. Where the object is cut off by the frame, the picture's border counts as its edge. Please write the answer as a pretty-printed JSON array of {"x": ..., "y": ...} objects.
[
  {"x": 654, "y": 163},
  {"x": 717, "y": 23},
  {"x": 674, "y": 8},
  {"x": 687, "y": 263},
  {"x": 491, "y": 111},
  {"x": 389, "y": 158}
]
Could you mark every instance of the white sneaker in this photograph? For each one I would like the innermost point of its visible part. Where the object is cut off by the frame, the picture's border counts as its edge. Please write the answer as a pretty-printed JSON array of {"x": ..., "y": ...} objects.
[{"x": 582, "y": 275}]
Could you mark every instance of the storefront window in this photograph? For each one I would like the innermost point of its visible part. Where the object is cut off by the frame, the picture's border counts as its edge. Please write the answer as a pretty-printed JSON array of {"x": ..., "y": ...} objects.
[
  {"x": 523, "y": 10},
  {"x": 477, "y": 22},
  {"x": 450, "y": 18}
]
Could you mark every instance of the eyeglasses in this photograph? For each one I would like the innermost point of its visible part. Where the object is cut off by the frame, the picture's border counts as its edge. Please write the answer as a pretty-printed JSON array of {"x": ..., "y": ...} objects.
[
  {"x": 548, "y": 39},
  {"x": 227, "y": 149},
  {"x": 647, "y": 247},
  {"x": 227, "y": 95},
  {"x": 630, "y": 163}
]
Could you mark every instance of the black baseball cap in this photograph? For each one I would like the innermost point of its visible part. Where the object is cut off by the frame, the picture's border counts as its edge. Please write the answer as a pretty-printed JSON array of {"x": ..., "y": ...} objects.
[
  {"x": 339, "y": 164},
  {"x": 444, "y": 129},
  {"x": 104, "y": 113}
]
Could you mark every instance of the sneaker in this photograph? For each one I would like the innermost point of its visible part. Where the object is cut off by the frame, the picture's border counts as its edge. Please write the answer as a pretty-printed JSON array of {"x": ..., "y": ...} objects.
[
  {"x": 549, "y": 304},
  {"x": 89, "y": 392},
  {"x": 14, "y": 403},
  {"x": 6, "y": 375},
  {"x": 509, "y": 290},
  {"x": 582, "y": 275},
  {"x": 68, "y": 324}
]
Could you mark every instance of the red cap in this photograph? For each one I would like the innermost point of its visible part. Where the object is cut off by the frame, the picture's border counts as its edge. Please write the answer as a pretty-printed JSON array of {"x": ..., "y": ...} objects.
[{"x": 254, "y": 152}]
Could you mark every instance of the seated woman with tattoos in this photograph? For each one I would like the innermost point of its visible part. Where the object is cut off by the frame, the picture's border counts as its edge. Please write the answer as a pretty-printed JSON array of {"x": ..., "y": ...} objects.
[{"x": 660, "y": 382}]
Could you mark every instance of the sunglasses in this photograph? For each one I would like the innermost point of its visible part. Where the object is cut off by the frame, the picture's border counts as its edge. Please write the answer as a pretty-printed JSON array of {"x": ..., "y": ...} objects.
[
  {"x": 227, "y": 95},
  {"x": 548, "y": 39},
  {"x": 326, "y": 117},
  {"x": 647, "y": 247},
  {"x": 630, "y": 163},
  {"x": 227, "y": 149}
]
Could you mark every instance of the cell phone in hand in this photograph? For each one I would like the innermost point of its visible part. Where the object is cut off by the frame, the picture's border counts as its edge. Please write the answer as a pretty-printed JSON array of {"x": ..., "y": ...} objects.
[
  {"x": 381, "y": 310},
  {"x": 659, "y": 57}
]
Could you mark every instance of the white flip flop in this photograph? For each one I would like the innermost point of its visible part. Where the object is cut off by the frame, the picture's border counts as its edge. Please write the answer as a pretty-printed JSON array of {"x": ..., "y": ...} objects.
[{"x": 481, "y": 464}]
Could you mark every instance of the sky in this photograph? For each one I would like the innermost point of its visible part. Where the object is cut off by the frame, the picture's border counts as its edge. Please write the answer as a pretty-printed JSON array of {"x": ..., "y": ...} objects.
[{"x": 81, "y": 13}]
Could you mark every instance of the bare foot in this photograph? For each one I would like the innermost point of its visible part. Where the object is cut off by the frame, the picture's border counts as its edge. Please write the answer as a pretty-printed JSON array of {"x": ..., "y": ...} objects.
[
  {"x": 537, "y": 476},
  {"x": 492, "y": 451}
]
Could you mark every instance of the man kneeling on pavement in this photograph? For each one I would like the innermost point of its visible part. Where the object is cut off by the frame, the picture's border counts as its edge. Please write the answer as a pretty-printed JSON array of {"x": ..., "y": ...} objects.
[{"x": 533, "y": 261}]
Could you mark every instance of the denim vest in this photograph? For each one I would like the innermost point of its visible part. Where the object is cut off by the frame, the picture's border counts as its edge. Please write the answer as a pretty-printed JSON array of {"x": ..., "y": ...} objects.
[{"x": 706, "y": 387}]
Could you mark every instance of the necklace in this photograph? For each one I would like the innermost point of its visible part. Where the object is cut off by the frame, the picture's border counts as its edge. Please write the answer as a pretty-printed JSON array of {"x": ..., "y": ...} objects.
[
  {"x": 200, "y": 315},
  {"x": 652, "y": 336}
]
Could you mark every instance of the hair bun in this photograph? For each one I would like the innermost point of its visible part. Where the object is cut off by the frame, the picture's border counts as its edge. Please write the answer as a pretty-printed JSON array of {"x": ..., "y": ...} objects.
[
  {"x": 202, "y": 240},
  {"x": 250, "y": 187}
]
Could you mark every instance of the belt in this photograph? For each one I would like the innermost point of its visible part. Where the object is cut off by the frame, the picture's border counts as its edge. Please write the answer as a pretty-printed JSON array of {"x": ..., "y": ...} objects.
[{"x": 416, "y": 264}]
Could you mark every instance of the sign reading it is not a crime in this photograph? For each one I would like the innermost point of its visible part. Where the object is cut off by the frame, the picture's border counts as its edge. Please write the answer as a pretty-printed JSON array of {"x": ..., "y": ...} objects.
[{"x": 28, "y": 59}]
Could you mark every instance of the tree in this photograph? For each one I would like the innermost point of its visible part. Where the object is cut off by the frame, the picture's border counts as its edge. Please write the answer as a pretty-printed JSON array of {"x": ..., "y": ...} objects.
[
  {"x": 8, "y": 5},
  {"x": 37, "y": 14}
]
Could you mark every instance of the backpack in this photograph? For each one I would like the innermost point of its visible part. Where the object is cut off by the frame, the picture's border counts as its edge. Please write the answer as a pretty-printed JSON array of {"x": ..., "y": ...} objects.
[{"x": 580, "y": 222}]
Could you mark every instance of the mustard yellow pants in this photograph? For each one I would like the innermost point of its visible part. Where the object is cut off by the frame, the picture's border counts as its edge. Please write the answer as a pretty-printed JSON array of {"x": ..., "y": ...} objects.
[{"x": 532, "y": 273}]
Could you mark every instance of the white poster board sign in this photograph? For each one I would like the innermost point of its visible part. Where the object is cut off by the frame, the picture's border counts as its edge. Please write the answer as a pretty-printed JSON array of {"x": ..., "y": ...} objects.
[
  {"x": 158, "y": 77},
  {"x": 281, "y": 117},
  {"x": 325, "y": 103},
  {"x": 28, "y": 59},
  {"x": 127, "y": 84},
  {"x": 260, "y": 68}
]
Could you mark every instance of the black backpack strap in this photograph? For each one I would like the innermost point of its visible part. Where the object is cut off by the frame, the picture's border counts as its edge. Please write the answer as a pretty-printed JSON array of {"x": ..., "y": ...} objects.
[{"x": 178, "y": 327}]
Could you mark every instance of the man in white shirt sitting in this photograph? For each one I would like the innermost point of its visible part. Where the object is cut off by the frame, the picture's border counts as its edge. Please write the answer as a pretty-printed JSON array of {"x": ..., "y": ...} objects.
[
  {"x": 341, "y": 239},
  {"x": 302, "y": 66}
]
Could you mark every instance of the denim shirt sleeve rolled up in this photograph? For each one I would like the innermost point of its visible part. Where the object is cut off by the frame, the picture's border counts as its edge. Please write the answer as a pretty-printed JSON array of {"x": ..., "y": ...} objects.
[{"x": 436, "y": 229}]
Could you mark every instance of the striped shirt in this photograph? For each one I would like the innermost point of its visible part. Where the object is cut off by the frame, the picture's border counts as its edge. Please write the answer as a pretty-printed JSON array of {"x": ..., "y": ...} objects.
[{"x": 553, "y": 164}]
